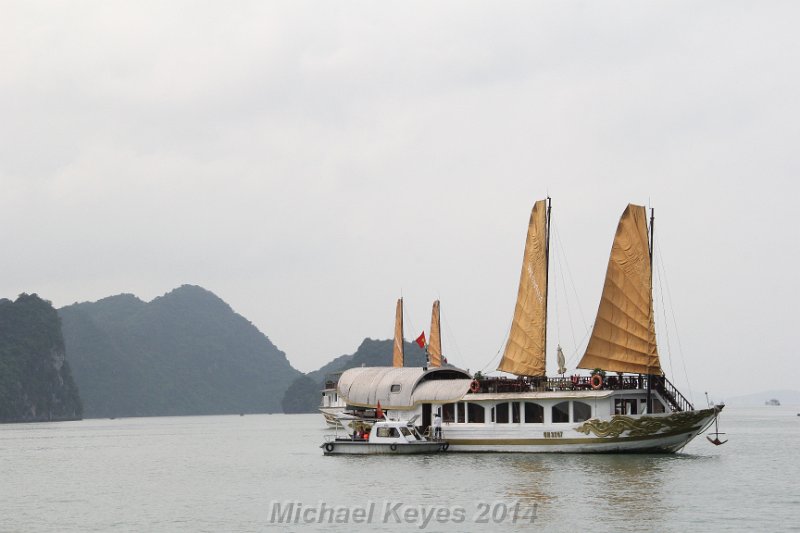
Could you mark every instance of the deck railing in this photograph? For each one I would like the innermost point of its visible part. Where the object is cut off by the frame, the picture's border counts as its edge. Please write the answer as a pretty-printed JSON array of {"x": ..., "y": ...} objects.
[
  {"x": 669, "y": 392},
  {"x": 662, "y": 385},
  {"x": 501, "y": 384}
]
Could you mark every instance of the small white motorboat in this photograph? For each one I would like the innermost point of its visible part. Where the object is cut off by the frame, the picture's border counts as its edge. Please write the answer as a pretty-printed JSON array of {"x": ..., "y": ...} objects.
[{"x": 384, "y": 437}]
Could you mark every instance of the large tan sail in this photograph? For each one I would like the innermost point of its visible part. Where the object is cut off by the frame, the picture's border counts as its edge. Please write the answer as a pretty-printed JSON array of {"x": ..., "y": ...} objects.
[
  {"x": 397, "y": 357},
  {"x": 435, "y": 343},
  {"x": 525, "y": 349},
  {"x": 624, "y": 334}
]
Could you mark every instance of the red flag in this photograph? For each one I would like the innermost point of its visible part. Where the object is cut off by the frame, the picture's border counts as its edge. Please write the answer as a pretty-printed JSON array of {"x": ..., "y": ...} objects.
[
  {"x": 421, "y": 340},
  {"x": 379, "y": 411}
]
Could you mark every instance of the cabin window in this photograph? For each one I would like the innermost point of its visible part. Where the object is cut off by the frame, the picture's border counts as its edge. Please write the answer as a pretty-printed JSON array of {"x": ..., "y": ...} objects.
[
  {"x": 388, "y": 432},
  {"x": 460, "y": 413},
  {"x": 619, "y": 407},
  {"x": 624, "y": 406},
  {"x": 534, "y": 413},
  {"x": 515, "y": 412},
  {"x": 561, "y": 412},
  {"x": 502, "y": 413},
  {"x": 476, "y": 413},
  {"x": 396, "y": 387},
  {"x": 406, "y": 432},
  {"x": 449, "y": 412},
  {"x": 581, "y": 411}
]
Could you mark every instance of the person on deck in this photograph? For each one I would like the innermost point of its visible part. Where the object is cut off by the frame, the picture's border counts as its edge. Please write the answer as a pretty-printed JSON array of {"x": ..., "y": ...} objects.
[{"x": 437, "y": 426}]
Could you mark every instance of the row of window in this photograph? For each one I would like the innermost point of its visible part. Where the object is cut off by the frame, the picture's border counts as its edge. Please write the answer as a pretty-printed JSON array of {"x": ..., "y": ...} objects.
[
  {"x": 515, "y": 413},
  {"x": 632, "y": 406}
]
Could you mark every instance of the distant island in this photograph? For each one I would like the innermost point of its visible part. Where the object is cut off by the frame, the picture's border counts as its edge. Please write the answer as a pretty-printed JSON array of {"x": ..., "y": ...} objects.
[
  {"x": 36, "y": 384},
  {"x": 184, "y": 353}
]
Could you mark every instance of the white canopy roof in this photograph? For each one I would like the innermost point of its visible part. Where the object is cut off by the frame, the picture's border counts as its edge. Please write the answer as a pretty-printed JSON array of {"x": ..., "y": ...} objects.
[{"x": 402, "y": 387}]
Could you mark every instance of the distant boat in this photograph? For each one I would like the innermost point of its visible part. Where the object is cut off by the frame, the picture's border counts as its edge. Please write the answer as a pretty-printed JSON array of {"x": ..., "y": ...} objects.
[
  {"x": 773, "y": 402},
  {"x": 635, "y": 409},
  {"x": 331, "y": 405}
]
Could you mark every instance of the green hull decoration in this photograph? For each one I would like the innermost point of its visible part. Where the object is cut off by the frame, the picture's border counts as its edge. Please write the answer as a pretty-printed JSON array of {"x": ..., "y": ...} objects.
[{"x": 644, "y": 426}]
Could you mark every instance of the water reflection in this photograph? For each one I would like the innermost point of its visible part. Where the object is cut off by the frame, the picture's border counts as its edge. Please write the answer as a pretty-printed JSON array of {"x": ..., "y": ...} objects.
[{"x": 619, "y": 490}]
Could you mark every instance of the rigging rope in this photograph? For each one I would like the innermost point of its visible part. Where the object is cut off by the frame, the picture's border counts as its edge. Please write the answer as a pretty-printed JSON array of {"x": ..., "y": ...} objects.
[
  {"x": 569, "y": 274},
  {"x": 658, "y": 281},
  {"x": 577, "y": 350},
  {"x": 451, "y": 339},
  {"x": 407, "y": 317},
  {"x": 495, "y": 357},
  {"x": 555, "y": 302},
  {"x": 566, "y": 295},
  {"x": 497, "y": 354},
  {"x": 562, "y": 263},
  {"x": 674, "y": 321}
]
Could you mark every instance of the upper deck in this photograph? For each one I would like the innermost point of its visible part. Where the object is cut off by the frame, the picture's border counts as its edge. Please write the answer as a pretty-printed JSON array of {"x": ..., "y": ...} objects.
[{"x": 575, "y": 384}]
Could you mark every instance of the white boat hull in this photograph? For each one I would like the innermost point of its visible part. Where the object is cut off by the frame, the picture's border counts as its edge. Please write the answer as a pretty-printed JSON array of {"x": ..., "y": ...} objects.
[
  {"x": 619, "y": 434},
  {"x": 348, "y": 447}
]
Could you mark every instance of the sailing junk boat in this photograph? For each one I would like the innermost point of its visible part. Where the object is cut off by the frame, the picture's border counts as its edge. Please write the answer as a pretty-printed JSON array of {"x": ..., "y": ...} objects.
[
  {"x": 637, "y": 410},
  {"x": 332, "y": 405}
]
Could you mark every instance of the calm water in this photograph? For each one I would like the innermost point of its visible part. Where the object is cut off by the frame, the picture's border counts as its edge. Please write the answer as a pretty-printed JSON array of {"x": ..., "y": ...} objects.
[{"x": 225, "y": 473}]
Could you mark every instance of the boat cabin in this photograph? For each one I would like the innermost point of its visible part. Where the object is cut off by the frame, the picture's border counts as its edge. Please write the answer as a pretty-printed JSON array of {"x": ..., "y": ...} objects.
[{"x": 394, "y": 431}]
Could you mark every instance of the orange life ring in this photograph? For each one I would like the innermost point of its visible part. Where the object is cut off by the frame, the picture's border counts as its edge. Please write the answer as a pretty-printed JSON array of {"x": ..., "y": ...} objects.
[
  {"x": 475, "y": 386},
  {"x": 596, "y": 381}
]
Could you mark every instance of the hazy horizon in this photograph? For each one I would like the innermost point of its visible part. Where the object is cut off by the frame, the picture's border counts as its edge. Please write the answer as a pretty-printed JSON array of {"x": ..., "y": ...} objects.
[{"x": 693, "y": 394}]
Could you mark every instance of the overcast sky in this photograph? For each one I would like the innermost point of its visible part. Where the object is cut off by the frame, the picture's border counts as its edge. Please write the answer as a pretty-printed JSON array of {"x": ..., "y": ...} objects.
[{"x": 309, "y": 162}]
